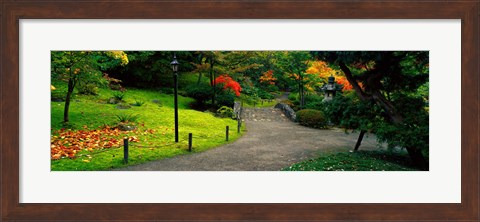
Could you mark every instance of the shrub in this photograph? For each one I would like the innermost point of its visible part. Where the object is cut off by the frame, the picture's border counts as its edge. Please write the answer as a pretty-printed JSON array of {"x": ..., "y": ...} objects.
[
  {"x": 293, "y": 97},
  {"x": 265, "y": 95},
  {"x": 312, "y": 118},
  {"x": 182, "y": 93},
  {"x": 313, "y": 98},
  {"x": 113, "y": 83},
  {"x": 127, "y": 118},
  {"x": 225, "y": 98},
  {"x": 225, "y": 112},
  {"x": 167, "y": 90},
  {"x": 314, "y": 101},
  {"x": 138, "y": 103},
  {"x": 87, "y": 89},
  {"x": 200, "y": 93},
  {"x": 119, "y": 96},
  {"x": 272, "y": 88}
]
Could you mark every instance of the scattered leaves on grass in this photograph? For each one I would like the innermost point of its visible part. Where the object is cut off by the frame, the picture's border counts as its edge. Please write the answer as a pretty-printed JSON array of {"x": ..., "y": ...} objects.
[{"x": 68, "y": 143}]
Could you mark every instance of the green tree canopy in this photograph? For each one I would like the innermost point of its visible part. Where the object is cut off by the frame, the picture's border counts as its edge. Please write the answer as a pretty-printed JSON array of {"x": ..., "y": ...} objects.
[
  {"x": 83, "y": 67},
  {"x": 395, "y": 82}
]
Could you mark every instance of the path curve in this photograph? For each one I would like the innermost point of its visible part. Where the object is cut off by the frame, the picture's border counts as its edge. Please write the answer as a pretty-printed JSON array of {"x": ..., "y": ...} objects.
[{"x": 271, "y": 143}]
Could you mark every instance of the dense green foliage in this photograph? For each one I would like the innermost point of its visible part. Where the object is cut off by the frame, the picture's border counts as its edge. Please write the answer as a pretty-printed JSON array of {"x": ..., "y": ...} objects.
[
  {"x": 225, "y": 98},
  {"x": 391, "y": 86},
  {"x": 311, "y": 118},
  {"x": 83, "y": 69},
  {"x": 151, "y": 69},
  {"x": 225, "y": 112},
  {"x": 349, "y": 112},
  {"x": 200, "y": 92}
]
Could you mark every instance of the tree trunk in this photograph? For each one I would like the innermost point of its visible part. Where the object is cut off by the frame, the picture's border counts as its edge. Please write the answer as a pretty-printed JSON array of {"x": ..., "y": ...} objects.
[
  {"x": 71, "y": 85},
  {"x": 359, "y": 140},
  {"x": 302, "y": 96},
  {"x": 300, "y": 92},
  {"x": 395, "y": 117},
  {"x": 387, "y": 106},
  {"x": 212, "y": 79},
  {"x": 199, "y": 78},
  {"x": 417, "y": 158}
]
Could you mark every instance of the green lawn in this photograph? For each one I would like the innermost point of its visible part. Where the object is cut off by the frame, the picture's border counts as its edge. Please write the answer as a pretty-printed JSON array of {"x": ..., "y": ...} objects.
[
  {"x": 260, "y": 104},
  {"x": 356, "y": 161},
  {"x": 156, "y": 113}
]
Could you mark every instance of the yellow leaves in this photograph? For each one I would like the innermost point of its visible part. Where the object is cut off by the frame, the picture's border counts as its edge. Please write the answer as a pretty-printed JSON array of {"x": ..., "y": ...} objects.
[
  {"x": 52, "y": 87},
  {"x": 321, "y": 68},
  {"x": 119, "y": 55},
  {"x": 86, "y": 161}
]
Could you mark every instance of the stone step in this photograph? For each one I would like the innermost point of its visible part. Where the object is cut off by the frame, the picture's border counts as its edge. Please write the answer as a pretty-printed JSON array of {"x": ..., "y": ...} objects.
[{"x": 263, "y": 114}]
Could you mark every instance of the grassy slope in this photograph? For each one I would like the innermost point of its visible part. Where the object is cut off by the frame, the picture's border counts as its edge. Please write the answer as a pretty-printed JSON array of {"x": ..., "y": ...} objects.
[
  {"x": 92, "y": 111},
  {"x": 356, "y": 161}
]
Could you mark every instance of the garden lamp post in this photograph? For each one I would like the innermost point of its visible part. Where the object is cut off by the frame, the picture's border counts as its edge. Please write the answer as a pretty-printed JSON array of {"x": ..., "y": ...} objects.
[{"x": 174, "y": 64}]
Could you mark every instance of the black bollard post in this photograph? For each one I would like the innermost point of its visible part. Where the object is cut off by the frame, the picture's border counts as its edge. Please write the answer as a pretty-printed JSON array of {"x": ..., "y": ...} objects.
[
  {"x": 227, "y": 133},
  {"x": 190, "y": 142},
  {"x": 239, "y": 125},
  {"x": 125, "y": 150}
]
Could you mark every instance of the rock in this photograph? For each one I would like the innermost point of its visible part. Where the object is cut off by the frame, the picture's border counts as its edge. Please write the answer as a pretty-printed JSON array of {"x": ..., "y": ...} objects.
[
  {"x": 56, "y": 99},
  {"x": 123, "y": 106},
  {"x": 155, "y": 101},
  {"x": 287, "y": 110},
  {"x": 126, "y": 127},
  {"x": 112, "y": 101}
]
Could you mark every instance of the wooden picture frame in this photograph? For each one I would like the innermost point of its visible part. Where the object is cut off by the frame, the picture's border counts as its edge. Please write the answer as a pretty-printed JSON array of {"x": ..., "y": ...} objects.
[{"x": 12, "y": 11}]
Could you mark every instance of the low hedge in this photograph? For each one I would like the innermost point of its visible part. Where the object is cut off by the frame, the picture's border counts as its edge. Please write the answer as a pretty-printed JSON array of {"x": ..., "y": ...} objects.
[{"x": 312, "y": 118}]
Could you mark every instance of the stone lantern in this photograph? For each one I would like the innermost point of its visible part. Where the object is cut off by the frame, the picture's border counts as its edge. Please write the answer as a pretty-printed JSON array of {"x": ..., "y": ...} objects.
[{"x": 330, "y": 89}]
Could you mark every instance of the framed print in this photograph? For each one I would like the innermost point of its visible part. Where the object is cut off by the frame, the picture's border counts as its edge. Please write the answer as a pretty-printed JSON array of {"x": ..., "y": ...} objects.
[{"x": 32, "y": 190}]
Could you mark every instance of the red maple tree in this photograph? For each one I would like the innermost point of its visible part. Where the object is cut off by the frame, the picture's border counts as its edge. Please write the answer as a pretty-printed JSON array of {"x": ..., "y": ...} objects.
[{"x": 228, "y": 83}]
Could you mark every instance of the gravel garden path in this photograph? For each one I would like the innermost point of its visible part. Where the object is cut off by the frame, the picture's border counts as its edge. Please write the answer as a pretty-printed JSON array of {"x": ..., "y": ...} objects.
[{"x": 271, "y": 142}]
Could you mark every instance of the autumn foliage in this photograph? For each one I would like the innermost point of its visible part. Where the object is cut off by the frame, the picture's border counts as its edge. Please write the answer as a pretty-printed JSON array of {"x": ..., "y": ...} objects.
[
  {"x": 344, "y": 82},
  {"x": 267, "y": 77},
  {"x": 68, "y": 143},
  {"x": 228, "y": 83},
  {"x": 323, "y": 71}
]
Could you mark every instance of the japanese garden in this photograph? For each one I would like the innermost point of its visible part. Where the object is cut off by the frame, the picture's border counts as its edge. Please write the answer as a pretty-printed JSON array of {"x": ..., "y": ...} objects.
[{"x": 239, "y": 110}]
